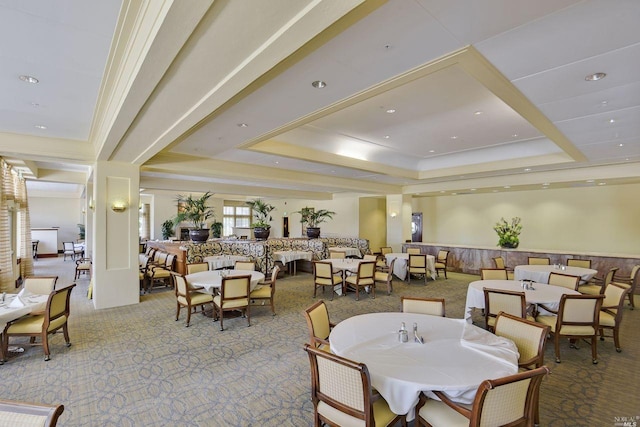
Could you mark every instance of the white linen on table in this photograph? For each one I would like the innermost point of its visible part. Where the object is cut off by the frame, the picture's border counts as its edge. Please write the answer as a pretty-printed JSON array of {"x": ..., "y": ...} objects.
[
  {"x": 400, "y": 267},
  {"x": 212, "y": 280},
  {"x": 347, "y": 250},
  {"x": 286, "y": 257},
  {"x": 221, "y": 261},
  {"x": 455, "y": 358},
  {"x": 540, "y": 273},
  {"x": 32, "y": 303},
  {"x": 542, "y": 293}
]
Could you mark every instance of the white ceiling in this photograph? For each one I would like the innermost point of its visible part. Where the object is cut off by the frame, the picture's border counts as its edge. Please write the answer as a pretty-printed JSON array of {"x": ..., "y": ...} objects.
[{"x": 487, "y": 95}]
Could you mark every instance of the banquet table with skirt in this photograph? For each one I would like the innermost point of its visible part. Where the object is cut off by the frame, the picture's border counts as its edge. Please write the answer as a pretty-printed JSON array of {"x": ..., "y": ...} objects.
[
  {"x": 455, "y": 357},
  {"x": 541, "y": 293},
  {"x": 222, "y": 261},
  {"x": 400, "y": 266},
  {"x": 540, "y": 273},
  {"x": 289, "y": 258}
]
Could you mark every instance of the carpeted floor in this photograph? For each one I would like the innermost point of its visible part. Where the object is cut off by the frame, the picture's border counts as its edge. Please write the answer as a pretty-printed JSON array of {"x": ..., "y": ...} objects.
[{"x": 136, "y": 366}]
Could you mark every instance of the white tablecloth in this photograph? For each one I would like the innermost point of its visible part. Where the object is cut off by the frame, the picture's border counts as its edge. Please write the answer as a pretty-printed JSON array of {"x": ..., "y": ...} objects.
[
  {"x": 212, "y": 280},
  {"x": 548, "y": 295},
  {"x": 540, "y": 273},
  {"x": 400, "y": 267},
  {"x": 455, "y": 358},
  {"x": 221, "y": 261},
  {"x": 347, "y": 251},
  {"x": 33, "y": 303},
  {"x": 288, "y": 256}
]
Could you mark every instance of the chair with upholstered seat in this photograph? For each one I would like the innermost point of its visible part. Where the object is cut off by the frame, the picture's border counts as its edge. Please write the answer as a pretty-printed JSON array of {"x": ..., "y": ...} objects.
[
  {"x": 564, "y": 280},
  {"x": 441, "y": 262},
  {"x": 55, "y": 317},
  {"x": 538, "y": 261},
  {"x": 499, "y": 263},
  {"x": 41, "y": 285},
  {"x": 197, "y": 267},
  {"x": 342, "y": 394},
  {"x": 386, "y": 250},
  {"x": 415, "y": 251},
  {"x": 265, "y": 291},
  {"x": 24, "y": 414},
  {"x": 630, "y": 283},
  {"x": 529, "y": 337},
  {"x": 323, "y": 276},
  {"x": 582, "y": 263},
  {"x": 493, "y": 274},
  {"x": 363, "y": 278},
  {"x": 431, "y": 306},
  {"x": 161, "y": 273},
  {"x": 245, "y": 265},
  {"x": 498, "y": 300},
  {"x": 611, "y": 312},
  {"x": 319, "y": 325},
  {"x": 506, "y": 401},
  {"x": 385, "y": 276},
  {"x": 337, "y": 254},
  {"x": 68, "y": 250},
  {"x": 417, "y": 265},
  {"x": 597, "y": 285},
  {"x": 83, "y": 267},
  {"x": 187, "y": 296},
  {"x": 234, "y": 296},
  {"x": 578, "y": 317}
]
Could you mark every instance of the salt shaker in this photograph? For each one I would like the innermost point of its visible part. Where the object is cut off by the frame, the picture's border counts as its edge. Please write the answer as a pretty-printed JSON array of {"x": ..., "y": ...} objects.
[{"x": 403, "y": 336}]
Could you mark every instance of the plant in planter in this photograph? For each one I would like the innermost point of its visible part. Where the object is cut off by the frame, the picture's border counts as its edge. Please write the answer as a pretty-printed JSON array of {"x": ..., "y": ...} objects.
[
  {"x": 262, "y": 214},
  {"x": 508, "y": 232},
  {"x": 81, "y": 231},
  {"x": 167, "y": 229},
  {"x": 197, "y": 212},
  {"x": 216, "y": 229},
  {"x": 313, "y": 218}
]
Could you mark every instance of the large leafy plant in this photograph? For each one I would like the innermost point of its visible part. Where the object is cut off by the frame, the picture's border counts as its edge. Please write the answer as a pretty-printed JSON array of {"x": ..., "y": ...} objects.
[
  {"x": 194, "y": 210},
  {"x": 508, "y": 232},
  {"x": 313, "y": 217},
  {"x": 261, "y": 212}
]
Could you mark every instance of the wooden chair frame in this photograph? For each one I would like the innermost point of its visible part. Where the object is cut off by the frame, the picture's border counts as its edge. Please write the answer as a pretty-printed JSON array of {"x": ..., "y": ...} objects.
[
  {"x": 582, "y": 263},
  {"x": 318, "y": 324},
  {"x": 441, "y": 262},
  {"x": 364, "y": 277},
  {"x": 228, "y": 294},
  {"x": 245, "y": 265},
  {"x": 184, "y": 297},
  {"x": 42, "y": 285},
  {"x": 631, "y": 283},
  {"x": 266, "y": 292},
  {"x": 385, "y": 276},
  {"x": 614, "y": 310},
  {"x": 324, "y": 276},
  {"x": 431, "y": 306},
  {"x": 83, "y": 266},
  {"x": 196, "y": 267},
  {"x": 533, "y": 260},
  {"x": 417, "y": 262},
  {"x": 50, "y": 413},
  {"x": 493, "y": 274},
  {"x": 564, "y": 280},
  {"x": 490, "y": 313}
]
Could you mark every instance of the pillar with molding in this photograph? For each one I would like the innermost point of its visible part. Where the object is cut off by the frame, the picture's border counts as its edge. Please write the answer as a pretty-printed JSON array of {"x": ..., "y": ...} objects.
[{"x": 399, "y": 211}]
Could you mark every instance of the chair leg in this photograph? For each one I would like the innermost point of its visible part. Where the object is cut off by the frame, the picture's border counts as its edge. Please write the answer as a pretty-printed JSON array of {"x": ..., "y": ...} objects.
[
  {"x": 45, "y": 345},
  {"x": 631, "y": 302},
  {"x": 188, "y": 316},
  {"x": 177, "y": 311},
  {"x": 616, "y": 339},
  {"x": 273, "y": 308},
  {"x": 594, "y": 350},
  {"x": 556, "y": 342},
  {"x": 65, "y": 333}
]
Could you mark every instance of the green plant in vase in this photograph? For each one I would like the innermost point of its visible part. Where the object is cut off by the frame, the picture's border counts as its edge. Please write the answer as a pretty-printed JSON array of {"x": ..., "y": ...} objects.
[
  {"x": 195, "y": 211},
  {"x": 508, "y": 232},
  {"x": 262, "y": 214}
]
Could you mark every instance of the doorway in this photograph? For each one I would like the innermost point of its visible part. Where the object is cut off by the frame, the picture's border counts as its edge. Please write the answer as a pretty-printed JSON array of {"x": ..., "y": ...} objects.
[{"x": 416, "y": 227}]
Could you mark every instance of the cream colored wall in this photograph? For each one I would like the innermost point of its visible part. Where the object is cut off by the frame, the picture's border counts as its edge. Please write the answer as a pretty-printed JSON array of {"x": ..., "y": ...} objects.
[
  {"x": 66, "y": 213},
  {"x": 345, "y": 222},
  {"x": 593, "y": 219},
  {"x": 373, "y": 221}
]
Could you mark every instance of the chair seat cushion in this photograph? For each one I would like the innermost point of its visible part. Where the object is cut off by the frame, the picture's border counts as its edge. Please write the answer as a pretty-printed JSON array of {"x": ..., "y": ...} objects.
[
  {"x": 381, "y": 414},
  {"x": 381, "y": 276},
  {"x": 606, "y": 319},
  {"x": 353, "y": 280},
  {"x": 329, "y": 282},
  {"x": 263, "y": 292},
  {"x": 83, "y": 266},
  {"x": 235, "y": 303},
  {"x": 197, "y": 298},
  {"x": 33, "y": 325},
  {"x": 440, "y": 265},
  {"x": 437, "y": 413},
  {"x": 590, "y": 289}
]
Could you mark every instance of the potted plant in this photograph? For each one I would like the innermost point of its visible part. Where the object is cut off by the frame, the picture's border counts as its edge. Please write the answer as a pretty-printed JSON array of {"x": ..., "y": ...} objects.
[
  {"x": 508, "y": 232},
  {"x": 216, "y": 229},
  {"x": 167, "y": 229},
  {"x": 197, "y": 212},
  {"x": 262, "y": 214},
  {"x": 81, "y": 231},
  {"x": 312, "y": 218}
]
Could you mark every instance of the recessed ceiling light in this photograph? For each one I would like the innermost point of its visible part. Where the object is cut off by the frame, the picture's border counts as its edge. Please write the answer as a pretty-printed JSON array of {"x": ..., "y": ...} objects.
[
  {"x": 626, "y": 160},
  {"x": 515, "y": 135},
  {"x": 595, "y": 77},
  {"x": 442, "y": 191},
  {"x": 546, "y": 183},
  {"x": 494, "y": 191},
  {"x": 453, "y": 137},
  {"x": 387, "y": 137},
  {"x": 40, "y": 127},
  {"x": 527, "y": 170},
  {"x": 391, "y": 110},
  {"x": 277, "y": 162},
  {"x": 454, "y": 194},
  {"x": 319, "y": 84},
  {"x": 243, "y": 125},
  {"x": 620, "y": 145},
  {"x": 602, "y": 183},
  {"x": 432, "y": 151},
  {"x": 612, "y": 120},
  {"x": 29, "y": 79},
  {"x": 477, "y": 113},
  {"x": 590, "y": 180},
  {"x": 35, "y": 104},
  {"x": 605, "y": 102},
  {"x": 507, "y": 186},
  {"x": 473, "y": 189}
]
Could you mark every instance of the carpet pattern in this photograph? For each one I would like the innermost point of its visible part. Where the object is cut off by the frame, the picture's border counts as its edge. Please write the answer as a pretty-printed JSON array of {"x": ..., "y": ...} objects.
[{"x": 136, "y": 366}]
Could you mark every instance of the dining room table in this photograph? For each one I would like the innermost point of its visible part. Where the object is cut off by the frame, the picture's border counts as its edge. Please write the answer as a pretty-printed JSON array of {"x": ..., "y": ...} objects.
[
  {"x": 400, "y": 266},
  {"x": 540, "y": 273},
  {"x": 15, "y": 306},
  {"x": 536, "y": 293},
  {"x": 290, "y": 258},
  {"x": 348, "y": 251},
  {"x": 454, "y": 356},
  {"x": 222, "y": 261},
  {"x": 211, "y": 280},
  {"x": 344, "y": 265}
]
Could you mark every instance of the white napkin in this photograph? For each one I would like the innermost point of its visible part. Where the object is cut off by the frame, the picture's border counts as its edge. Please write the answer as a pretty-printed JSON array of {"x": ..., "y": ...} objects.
[
  {"x": 489, "y": 344},
  {"x": 24, "y": 293},
  {"x": 17, "y": 302}
]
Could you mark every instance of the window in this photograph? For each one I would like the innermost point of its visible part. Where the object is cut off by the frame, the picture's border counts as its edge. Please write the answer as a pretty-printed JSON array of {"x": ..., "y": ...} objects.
[{"x": 235, "y": 214}]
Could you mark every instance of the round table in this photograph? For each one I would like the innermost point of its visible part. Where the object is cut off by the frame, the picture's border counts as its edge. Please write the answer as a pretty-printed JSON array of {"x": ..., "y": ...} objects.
[
  {"x": 400, "y": 267},
  {"x": 541, "y": 293},
  {"x": 212, "y": 280},
  {"x": 540, "y": 273},
  {"x": 455, "y": 357}
]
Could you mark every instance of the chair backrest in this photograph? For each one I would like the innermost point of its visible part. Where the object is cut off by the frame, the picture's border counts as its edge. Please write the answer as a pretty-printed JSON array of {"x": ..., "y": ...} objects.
[
  {"x": 235, "y": 290},
  {"x": 339, "y": 384},
  {"x": 413, "y": 250},
  {"x": 274, "y": 274},
  {"x": 564, "y": 280},
  {"x": 579, "y": 310},
  {"x": 197, "y": 267},
  {"x": 442, "y": 256},
  {"x": 366, "y": 270},
  {"x": 42, "y": 285},
  {"x": 23, "y": 414},
  {"x": 493, "y": 274},
  {"x": 528, "y": 336},
  {"x": 584, "y": 263},
  {"x": 245, "y": 265},
  {"x": 507, "y": 400},
  {"x": 322, "y": 270},
  {"x": 170, "y": 262},
  {"x": 68, "y": 247},
  {"x": 497, "y": 300},
  {"x": 499, "y": 262},
  {"x": 613, "y": 302},
  {"x": 160, "y": 258},
  {"x": 634, "y": 273},
  {"x": 386, "y": 250},
  {"x": 608, "y": 278},
  {"x": 58, "y": 304},
  {"x": 337, "y": 254},
  {"x": 538, "y": 261},
  {"x": 181, "y": 287},
  {"x": 317, "y": 316},
  {"x": 432, "y": 306},
  {"x": 370, "y": 258},
  {"x": 417, "y": 261}
]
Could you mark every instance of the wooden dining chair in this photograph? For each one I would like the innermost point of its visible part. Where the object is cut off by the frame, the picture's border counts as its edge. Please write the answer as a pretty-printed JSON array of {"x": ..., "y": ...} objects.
[
  {"x": 417, "y": 264},
  {"x": 265, "y": 291},
  {"x": 564, "y": 280},
  {"x": 25, "y": 414},
  {"x": 630, "y": 283},
  {"x": 538, "y": 261},
  {"x": 493, "y": 274},
  {"x": 611, "y": 312},
  {"x": 245, "y": 265},
  {"x": 431, "y": 306},
  {"x": 385, "y": 276},
  {"x": 197, "y": 267},
  {"x": 323, "y": 276},
  {"x": 498, "y": 300},
  {"x": 319, "y": 325},
  {"x": 582, "y": 263},
  {"x": 189, "y": 297},
  {"x": 233, "y": 296},
  {"x": 441, "y": 262},
  {"x": 41, "y": 285},
  {"x": 363, "y": 278}
]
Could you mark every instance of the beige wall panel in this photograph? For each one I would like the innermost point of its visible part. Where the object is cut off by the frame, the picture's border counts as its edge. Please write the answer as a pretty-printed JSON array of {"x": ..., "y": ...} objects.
[{"x": 373, "y": 221}]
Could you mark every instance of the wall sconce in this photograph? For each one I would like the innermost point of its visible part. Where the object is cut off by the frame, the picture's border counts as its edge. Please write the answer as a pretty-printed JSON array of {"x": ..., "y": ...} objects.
[
  {"x": 393, "y": 214},
  {"x": 92, "y": 204},
  {"x": 119, "y": 206}
]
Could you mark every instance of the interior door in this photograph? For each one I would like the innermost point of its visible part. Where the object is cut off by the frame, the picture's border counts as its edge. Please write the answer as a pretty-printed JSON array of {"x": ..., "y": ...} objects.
[{"x": 416, "y": 227}]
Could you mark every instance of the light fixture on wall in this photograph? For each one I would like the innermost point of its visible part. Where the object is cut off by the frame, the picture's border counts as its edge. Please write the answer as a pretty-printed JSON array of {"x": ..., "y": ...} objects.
[
  {"x": 92, "y": 204},
  {"x": 119, "y": 206},
  {"x": 393, "y": 214}
]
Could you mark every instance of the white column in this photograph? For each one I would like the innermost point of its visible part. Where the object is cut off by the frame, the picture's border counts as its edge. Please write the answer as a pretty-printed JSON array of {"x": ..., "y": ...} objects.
[{"x": 398, "y": 220}]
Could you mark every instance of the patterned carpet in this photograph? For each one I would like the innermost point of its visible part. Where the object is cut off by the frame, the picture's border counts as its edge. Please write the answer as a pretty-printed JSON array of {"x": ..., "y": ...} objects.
[{"x": 136, "y": 366}]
